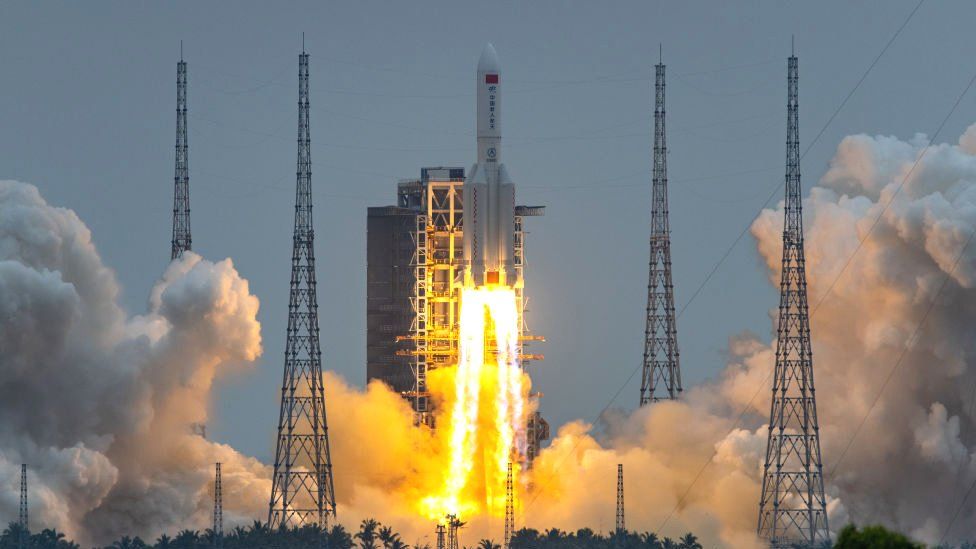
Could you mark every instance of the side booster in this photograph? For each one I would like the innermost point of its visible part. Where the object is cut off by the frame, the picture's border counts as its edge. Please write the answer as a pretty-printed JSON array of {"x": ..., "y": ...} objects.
[{"x": 489, "y": 194}]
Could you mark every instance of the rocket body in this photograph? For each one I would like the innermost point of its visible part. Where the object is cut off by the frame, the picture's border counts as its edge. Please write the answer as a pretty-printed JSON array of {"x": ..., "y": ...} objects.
[{"x": 489, "y": 194}]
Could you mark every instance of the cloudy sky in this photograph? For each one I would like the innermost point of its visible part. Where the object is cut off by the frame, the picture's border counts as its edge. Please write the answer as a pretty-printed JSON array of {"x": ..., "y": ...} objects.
[{"x": 87, "y": 114}]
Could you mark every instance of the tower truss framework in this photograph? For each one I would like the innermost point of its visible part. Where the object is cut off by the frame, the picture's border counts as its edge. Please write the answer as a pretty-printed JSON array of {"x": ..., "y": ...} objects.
[
  {"x": 302, "y": 486},
  {"x": 792, "y": 507},
  {"x": 24, "y": 535},
  {"x": 181, "y": 240},
  {"x": 441, "y": 532},
  {"x": 620, "y": 523},
  {"x": 453, "y": 525},
  {"x": 218, "y": 511},
  {"x": 661, "y": 377}
]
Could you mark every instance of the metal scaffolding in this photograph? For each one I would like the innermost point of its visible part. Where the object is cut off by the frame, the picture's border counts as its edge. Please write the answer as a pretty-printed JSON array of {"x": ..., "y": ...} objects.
[
  {"x": 302, "y": 490},
  {"x": 419, "y": 323},
  {"x": 436, "y": 200},
  {"x": 660, "y": 366},
  {"x": 792, "y": 508}
]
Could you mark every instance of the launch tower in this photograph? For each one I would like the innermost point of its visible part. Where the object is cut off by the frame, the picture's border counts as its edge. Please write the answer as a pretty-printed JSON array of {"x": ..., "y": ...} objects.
[
  {"x": 792, "y": 508},
  {"x": 447, "y": 229}
]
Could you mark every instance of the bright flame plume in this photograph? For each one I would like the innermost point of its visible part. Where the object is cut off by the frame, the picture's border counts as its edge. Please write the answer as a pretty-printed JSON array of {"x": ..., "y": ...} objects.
[{"x": 483, "y": 412}]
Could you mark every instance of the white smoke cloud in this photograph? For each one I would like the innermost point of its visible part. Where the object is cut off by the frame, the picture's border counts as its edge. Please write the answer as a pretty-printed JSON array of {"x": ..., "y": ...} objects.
[
  {"x": 100, "y": 404},
  {"x": 903, "y": 467}
]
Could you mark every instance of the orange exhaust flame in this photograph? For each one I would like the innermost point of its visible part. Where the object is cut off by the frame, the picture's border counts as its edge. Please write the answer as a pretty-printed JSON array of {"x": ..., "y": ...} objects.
[{"x": 482, "y": 415}]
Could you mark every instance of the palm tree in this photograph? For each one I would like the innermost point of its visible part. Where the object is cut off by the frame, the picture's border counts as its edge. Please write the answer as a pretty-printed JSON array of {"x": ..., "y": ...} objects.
[
  {"x": 187, "y": 539},
  {"x": 689, "y": 541},
  {"x": 390, "y": 539},
  {"x": 338, "y": 538},
  {"x": 650, "y": 540},
  {"x": 367, "y": 534},
  {"x": 554, "y": 535},
  {"x": 488, "y": 544},
  {"x": 525, "y": 538},
  {"x": 124, "y": 543}
]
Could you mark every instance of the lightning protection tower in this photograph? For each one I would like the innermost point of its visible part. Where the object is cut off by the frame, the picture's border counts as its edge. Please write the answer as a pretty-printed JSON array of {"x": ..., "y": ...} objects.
[
  {"x": 24, "y": 535},
  {"x": 302, "y": 489},
  {"x": 218, "y": 511},
  {"x": 621, "y": 526},
  {"x": 661, "y": 371},
  {"x": 181, "y": 194},
  {"x": 792, "y": 508}
]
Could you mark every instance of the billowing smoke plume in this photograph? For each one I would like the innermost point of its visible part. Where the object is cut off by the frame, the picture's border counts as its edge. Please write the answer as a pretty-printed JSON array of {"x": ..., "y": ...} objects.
[
  {"x": 109, "y": 398},
  {"x": 100, "y": 404},
  {"x": 911, "y": 463}
]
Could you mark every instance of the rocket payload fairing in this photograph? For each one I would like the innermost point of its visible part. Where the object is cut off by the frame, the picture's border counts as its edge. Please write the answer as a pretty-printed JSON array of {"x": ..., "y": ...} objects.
[{"x": 489, "y": 194}]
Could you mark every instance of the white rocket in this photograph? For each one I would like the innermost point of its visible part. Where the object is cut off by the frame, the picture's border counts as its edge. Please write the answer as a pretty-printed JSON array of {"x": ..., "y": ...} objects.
[{"x": 489, "y": 194}]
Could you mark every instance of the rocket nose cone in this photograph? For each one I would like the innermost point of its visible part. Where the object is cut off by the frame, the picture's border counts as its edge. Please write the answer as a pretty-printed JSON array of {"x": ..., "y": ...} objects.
[{"x": 489, "y": 60}]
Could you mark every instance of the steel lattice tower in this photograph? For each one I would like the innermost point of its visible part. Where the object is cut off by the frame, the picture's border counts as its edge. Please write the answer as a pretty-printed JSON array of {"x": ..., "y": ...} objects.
[
  {"x": 24, "y": 523},
  {"x": 302, "y": 489},
  {"x": 218, "y": 512},
  {"x": 453, "y": 524},
  {"x": 181, "y": 193},
  {"x": 660, "y": 368},
  {"x": 441, "y": 533},
  {"x": 509, "y": 508},
  {"x": 621, "y": 525},
  {"x": 792, "y": 508}
]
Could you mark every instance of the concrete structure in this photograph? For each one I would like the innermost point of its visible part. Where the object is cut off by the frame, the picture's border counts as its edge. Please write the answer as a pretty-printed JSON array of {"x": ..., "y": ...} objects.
[{"x": 402, "y": 276}]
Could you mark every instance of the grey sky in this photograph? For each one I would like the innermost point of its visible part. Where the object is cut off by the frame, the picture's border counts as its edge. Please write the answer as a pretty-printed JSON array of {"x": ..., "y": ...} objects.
[{"x": 87, "y": 114}]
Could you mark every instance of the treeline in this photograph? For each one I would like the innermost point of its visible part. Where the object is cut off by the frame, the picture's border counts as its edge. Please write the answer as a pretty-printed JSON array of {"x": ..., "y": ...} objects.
[{"x": 373, "y": 535}]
